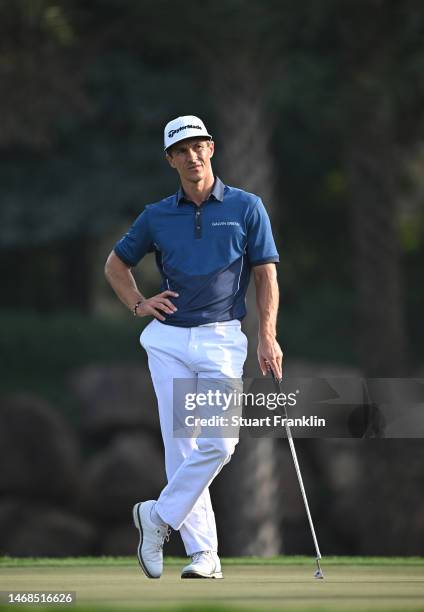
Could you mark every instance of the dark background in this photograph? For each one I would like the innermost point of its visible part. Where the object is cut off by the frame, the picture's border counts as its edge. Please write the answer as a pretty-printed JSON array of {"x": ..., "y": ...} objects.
[{"x": 318, "y": 108}]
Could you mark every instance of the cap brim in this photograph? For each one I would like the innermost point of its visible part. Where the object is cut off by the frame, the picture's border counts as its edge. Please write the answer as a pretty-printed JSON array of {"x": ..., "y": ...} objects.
[{"x": 207, "y": 136}]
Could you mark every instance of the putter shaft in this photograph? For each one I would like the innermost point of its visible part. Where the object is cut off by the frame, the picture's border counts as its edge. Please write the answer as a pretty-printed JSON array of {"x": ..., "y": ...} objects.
[{"x": 318, "y": 573}]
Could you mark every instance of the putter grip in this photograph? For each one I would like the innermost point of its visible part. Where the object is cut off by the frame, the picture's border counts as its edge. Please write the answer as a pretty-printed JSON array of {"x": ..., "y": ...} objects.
[{"x": 274, "y": 377}]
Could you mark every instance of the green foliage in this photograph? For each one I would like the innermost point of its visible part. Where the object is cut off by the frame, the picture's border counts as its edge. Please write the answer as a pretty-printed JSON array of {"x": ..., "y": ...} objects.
[
  {"x": 101, "y": 169},
  {"x": 89, "y": 87},
  {"x": 318, "y": 325},
  {"x": 39, "y": 353}
]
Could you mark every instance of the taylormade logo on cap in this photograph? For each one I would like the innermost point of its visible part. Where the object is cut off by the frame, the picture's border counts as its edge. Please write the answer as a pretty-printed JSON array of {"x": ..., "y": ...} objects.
[{"x": 182, "y": 128}]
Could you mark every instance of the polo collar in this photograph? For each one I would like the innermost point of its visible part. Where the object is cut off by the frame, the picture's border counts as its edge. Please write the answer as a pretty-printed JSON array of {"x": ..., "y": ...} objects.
[{"x": 217, "y": 192}]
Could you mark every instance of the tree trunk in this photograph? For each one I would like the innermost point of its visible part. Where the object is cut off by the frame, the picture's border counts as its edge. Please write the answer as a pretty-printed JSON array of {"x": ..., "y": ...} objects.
[
  {"x": 248, "y": 487},
  {"x": 373, "y": 171}
]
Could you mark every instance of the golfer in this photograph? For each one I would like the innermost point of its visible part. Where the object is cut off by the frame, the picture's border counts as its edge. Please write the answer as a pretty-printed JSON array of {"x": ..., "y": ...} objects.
[{"x": 207, "y": 238}]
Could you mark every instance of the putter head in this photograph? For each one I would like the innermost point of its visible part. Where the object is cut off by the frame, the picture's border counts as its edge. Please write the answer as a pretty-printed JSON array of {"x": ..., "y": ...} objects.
[{"x": 318, "y": 573}]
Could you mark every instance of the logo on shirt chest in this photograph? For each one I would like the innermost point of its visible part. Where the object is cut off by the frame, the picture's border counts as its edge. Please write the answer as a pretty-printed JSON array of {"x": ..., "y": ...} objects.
[{"x": 221, "y": 223}]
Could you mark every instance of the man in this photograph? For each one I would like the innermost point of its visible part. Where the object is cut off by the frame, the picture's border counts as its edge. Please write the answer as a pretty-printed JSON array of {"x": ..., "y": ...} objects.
[{"x": 206, "y": 238}]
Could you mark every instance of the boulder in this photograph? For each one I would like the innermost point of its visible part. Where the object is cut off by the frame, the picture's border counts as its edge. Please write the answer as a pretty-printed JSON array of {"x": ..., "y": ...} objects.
[
  {"x": 39, "y": 452},
  {"x": 115, "y": 397},
  {"x": 119, "y": 540},
  {"x": 128, "y": 470},
  {"x": 31, "y": 529},
  {"x": 390, "y": 505}
]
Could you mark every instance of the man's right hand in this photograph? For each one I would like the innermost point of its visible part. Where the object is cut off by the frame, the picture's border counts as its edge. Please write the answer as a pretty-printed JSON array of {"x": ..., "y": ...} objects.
[{"x": 157, "y": 304}]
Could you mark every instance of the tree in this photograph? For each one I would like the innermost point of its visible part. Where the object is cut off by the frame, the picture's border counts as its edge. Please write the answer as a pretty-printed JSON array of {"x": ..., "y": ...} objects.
[
  {"x": 39, "y": 71},
  {"x": 377, "y": 104}
]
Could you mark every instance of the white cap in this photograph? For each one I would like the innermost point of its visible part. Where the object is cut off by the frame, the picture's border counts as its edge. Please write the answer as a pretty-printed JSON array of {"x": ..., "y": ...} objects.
[{"x": 181, "y": 128}]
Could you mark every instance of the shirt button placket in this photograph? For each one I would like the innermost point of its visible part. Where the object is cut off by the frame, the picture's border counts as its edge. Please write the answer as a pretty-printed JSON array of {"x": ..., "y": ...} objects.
[{"x": 197, "y": 224}]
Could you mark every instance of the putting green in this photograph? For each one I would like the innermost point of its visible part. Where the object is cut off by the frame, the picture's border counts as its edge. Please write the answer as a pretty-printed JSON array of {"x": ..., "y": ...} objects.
[{"x": 249, "y": 584}]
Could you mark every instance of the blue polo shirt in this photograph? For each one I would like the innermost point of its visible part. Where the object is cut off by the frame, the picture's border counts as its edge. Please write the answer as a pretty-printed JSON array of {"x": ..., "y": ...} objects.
[{"x": 205, "y": 253}]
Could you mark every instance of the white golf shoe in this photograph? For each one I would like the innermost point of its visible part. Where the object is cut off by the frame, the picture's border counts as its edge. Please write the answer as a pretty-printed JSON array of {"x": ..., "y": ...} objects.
[
  {"x": 152, "y": 538},
  {"x": 204, "y": 564}
]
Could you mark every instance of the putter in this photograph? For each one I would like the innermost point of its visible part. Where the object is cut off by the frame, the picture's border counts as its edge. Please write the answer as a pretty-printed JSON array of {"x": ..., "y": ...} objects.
[{"x": 318, "y": 574}]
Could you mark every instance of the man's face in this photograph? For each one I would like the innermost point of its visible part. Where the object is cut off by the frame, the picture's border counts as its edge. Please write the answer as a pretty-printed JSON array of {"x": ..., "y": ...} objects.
[{"x": 191, "y": 158}]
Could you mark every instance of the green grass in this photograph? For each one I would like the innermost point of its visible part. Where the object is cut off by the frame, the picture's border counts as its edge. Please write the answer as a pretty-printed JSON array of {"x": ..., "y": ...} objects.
[
  {"x": 172, "y": 561},
  {"x": 250, "y": 584}
]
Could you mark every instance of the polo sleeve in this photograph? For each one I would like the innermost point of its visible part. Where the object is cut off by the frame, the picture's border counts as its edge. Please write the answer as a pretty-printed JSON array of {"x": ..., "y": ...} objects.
[
  {"x": 134, "y": 245},
  {"x": 261, "y": 247}
]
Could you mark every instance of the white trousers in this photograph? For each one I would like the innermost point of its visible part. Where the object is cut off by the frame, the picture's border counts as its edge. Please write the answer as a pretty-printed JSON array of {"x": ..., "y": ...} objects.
[{"x": 216, "y": 350}]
